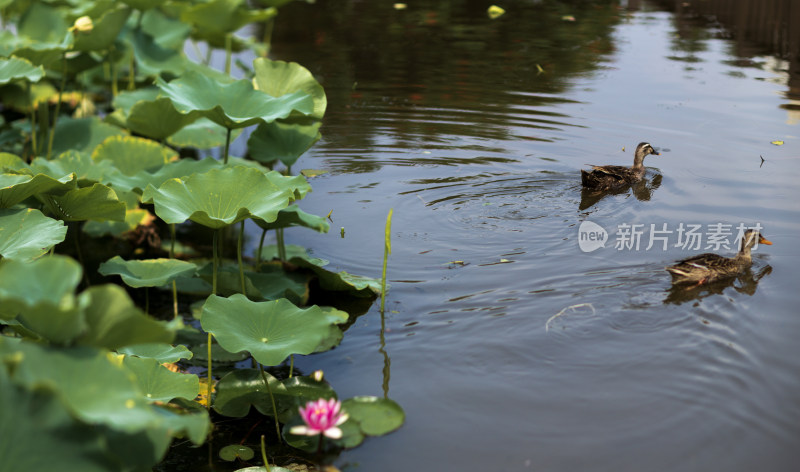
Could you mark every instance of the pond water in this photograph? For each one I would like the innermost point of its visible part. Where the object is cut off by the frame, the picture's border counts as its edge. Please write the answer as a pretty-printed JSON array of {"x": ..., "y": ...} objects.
[{"x": 474, "y": 132}]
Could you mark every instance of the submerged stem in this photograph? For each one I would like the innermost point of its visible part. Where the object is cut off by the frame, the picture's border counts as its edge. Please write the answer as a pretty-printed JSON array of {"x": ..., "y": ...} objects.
[{"x": 272, "y": 399}]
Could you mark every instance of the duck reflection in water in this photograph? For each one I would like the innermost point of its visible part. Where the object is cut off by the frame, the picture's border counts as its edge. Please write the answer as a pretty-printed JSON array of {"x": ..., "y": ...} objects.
[
  {"x": 745, "y": 283},
  {"x": 642, "y": 189}
]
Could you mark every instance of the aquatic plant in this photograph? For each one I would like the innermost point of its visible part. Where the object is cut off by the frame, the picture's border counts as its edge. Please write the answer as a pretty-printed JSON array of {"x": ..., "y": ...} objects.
[{"x": 321, "y": 417}]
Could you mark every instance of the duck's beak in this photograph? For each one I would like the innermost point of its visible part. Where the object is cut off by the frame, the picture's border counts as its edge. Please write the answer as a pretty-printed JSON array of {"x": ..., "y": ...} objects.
[{"x": 763, "y": 240}]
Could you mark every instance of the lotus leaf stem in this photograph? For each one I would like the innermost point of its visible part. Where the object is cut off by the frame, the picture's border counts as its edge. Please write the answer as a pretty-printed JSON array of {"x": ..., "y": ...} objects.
[
  {"x": 227, "y": 146},
  {"x": 281, "y": 244},
  {"x": 272, "y": 399},
  {"x": 228, "y": 53},
  {"x": 174, "y": 282},
  {"x": 58, "y": 104},
  {"x": 239, "y": 257},
  {"x": 291, "y": 365},
  {"x": 260, "y": 248},
  {"x": 33, "y": 118},
  {"x": 264, "y": 454}
]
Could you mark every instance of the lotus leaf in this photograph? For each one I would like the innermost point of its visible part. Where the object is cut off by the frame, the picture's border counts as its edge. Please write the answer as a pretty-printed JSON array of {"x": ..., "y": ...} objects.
[
  {"x": 132, "y": 154},
  {"x": 10, "y": 162},
  {"x": 271, "y": 252},
  {"x": 114, "y": 321},
  {"x": 37, "y": 421},
  {"x": 297, "y": 183},
  {"x": 273, "y": 283},
  {"x": 42, "y": 294},
  {"x": 341, "y": 281},
  {"x": 147, "y": 272},
  {"x": 188, "y": 418},
  {"x": 172, "y": 170},
  {"x": 375, "y": 416},
  {"x": 143, "y": 4},
  {"x": 82, "y": 134},
  {"x": 15, "y": 188},
  {"x": 294, "y": 216},
  {"x": 161, "y": 352},
  {"x": 80, "y": 163},
  {"x": 201, "y": 134},
  {"x": 218, "y": 355},
  {"x": 278, "y": 78},
  {"x": 157, "y": 119},
  {"x": 285, "y": 142},
  {"x": 232, "y": 452},
  {"x": 97, "y": 202},
  {"x": 105, "y": 31},
  {"x": 157, "y": 383},
  {"x": 169, "y": 33},
  {"x": 218, "y": 198},
  {"x": 42, "y": 23},
  {"x": 14, "y": 68},
  {"x": 224, "y": 16},
  {"x": 95, "y": 388},
  {"x": 270, "y": 331},
  {"x": 241, "y": 388},
  {"x": 26, "y": 234},
  {"x": 232, "y": 105},
  {"x": 126, "y": 99},
  {"x": 299, "y": 391},
  {"x": 133, "y": 219}
]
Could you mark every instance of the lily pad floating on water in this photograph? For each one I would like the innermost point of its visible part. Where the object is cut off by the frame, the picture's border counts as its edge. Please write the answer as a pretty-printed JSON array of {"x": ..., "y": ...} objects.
[
  {"x": 232, "y": 452},
  {"x": 270, "y": 331},
  {"x": 26, "y": 234},
  {"x": 147, "y": 272},
  {"x": 219, "y": 197}
]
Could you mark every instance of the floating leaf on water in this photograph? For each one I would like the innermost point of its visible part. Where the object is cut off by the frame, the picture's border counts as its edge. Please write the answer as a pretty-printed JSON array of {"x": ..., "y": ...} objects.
[
  {"x": 495, "y": 12},
  {"x": 375, "y": 416},
  {"x": 232, "y": 452},
  {"x": 777, "y": 143},
  {"x": 313, "y": 172}
]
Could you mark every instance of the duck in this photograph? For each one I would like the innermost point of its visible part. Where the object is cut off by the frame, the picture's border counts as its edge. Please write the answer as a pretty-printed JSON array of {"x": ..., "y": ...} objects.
[
  {"x": 609, "y": 177},
  {"x": 709, "y": 267}
]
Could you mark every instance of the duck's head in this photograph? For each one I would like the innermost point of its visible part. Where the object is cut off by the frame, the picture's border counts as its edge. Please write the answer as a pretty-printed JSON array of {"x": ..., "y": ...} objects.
[
  {"x": 751, "y": 237},
  {"x": 642, "y": 150}
]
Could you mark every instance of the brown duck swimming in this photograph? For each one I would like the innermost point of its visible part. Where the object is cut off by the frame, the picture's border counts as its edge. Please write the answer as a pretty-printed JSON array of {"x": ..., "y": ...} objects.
[
  {"x": 609, "y": 177},
  {"x": 709, "y": 267}
]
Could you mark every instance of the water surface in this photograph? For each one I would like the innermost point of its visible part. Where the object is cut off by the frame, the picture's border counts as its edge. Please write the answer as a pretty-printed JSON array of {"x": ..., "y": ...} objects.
[{"x": 474, "y": 131}]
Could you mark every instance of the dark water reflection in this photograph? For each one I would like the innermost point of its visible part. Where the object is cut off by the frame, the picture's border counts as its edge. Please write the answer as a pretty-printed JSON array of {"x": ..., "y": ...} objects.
[{"x": 445, "y": 116}]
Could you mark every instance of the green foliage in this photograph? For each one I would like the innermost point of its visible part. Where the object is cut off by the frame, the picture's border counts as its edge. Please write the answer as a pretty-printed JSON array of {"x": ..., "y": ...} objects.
[
  {"x": 27, "y": 234},
  {"x": 148, "y": 272},
  {"x": 14, "y": 68}
]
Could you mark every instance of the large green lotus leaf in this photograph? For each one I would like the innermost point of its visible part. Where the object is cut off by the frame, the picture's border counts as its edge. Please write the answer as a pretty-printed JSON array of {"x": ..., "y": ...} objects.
[
  {"x": 297, "y": 183},
  {"x": 105, "y": 31},
  {"x": 42, "y": 294},
  {"x": 242, "y": 388},
  {"x": 14, "y": 164},
  {"x": 218, "y": 198},
  {"x": 232, "y": 105},
  {"x": 36, "y": 421},
  {"x": 82, "y": 134},
  {"x": 15, "y": 188},
  {"x": 270, "y": 331},
  {"x": 172, "y": 170},
  {"x": 169, "y": 33},
  {"x": 277, "y": 78},
  {"x": 270, "y": 252},
  {"x": 98, "y": 203},
  {"x": 273, "y": 283},
  {"x": 153, "y": 59},
  {"x": 133, "y": 219},
  {"x": 228, "y": 281},
  {"x": 161, "y": 352},
  {"x": 147, "y": 272},
  {"x": 342, "y": 281},
  {"x": 294, "y": 216},
  {"x": 14, "y": 68},
  {"x": 375, "y": 416},
  {"x": 132, "y": 154},
  {"x": 143, "y": 4},
  {"x": 224, "y": 16},
  {"x": 26, "y": 234},
  {"x": 126, "y": 99},
  {"x": 157, "y": 119},
  {"x": 114, "y": 321},
  {"x": 157, "y": 383},
  {"x": 43, "y": 23},
  {"x": 201, "y": 134},
  {"x": 94, "y": 386},
  {"x": 188, "y": 418},
  {"x": 80, "y": 163},
  {"x": 285, "y": 142}
]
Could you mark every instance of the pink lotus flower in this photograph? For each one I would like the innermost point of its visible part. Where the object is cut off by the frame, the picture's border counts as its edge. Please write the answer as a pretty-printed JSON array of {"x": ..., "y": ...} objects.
[{"x": 321, "y": 417}]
